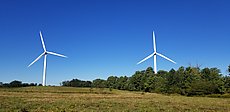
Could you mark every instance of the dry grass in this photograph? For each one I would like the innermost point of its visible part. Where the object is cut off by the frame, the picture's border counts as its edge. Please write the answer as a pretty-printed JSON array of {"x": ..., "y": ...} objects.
[{"x": 57, "y": 99}]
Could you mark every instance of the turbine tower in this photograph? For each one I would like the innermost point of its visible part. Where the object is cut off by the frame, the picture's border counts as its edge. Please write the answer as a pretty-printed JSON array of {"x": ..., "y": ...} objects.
[
  {"x": 155, "y": 53},
  {"x": 45, "y": 53}
]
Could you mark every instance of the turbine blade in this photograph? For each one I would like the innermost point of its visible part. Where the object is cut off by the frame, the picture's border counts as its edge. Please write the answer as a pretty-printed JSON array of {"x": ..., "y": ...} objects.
[
  {"x": 36, "y": 59},
  {"x": 154, "y": 42},
  {"x": 166, "y": 57},
  {"x": 43, "y": 44},
  {"x": 56, "y": 54},
  {"x": 145, "y": 58}
]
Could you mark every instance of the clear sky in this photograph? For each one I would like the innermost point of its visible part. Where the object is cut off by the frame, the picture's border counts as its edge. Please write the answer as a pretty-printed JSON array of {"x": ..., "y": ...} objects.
[{"x": 108, "y": 37}]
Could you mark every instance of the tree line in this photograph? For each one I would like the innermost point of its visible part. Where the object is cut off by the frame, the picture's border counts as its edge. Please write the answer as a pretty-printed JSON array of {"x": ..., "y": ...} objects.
[
  {"x": 185, "y": 81},
  {"x": 17, "y": 83}
]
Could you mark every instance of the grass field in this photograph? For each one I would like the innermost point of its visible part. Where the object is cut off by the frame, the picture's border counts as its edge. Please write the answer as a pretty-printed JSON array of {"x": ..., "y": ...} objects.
[{"x": 57, "y": 99}]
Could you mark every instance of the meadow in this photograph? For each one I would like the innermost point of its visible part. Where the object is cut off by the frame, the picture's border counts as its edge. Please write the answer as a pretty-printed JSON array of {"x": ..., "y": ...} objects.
[{"x": 70, "y": 99}]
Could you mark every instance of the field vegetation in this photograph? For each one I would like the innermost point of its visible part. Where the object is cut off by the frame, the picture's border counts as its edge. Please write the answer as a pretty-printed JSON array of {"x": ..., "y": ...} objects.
[
  {"x": 61, "y": 99},
  {"x": 185, "y": 89}
]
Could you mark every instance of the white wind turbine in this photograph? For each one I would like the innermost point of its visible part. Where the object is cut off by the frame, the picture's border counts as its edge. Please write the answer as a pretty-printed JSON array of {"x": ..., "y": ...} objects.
[
  {"x": 155, "y": 53},
  {"x": 45, "y": 53}
]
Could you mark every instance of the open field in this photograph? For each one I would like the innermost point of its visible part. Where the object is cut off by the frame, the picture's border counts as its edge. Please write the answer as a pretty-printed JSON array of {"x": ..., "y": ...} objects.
[{"x": 57, "y": 99}]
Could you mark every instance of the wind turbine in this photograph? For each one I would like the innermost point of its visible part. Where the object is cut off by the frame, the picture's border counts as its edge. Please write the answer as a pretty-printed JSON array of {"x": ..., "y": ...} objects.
[
  {"x": 155, "y": 53},
  {"x": 45, "y": 53}
]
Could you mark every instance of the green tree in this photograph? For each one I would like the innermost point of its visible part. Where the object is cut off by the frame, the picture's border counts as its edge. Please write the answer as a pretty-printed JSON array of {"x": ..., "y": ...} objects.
[
  {"x": 149, "y": 71},
  {"x": 173, "y": 82},
  {"x": 162, "y": 73},
  {"x": 155, "y": 84},
  {"x": 149, "y": 84},
  {"x": 191, "y": 76},
  {"x": 212, "y": 81},
  {"x": 16, "y": 83},
  {"x": 229, "y": 69},
  {"x": 1, "y": 83},
  {"x": 99, "y": 83},
  {"x": 160, "y": 86},
  {"x": 112, "y": 82},
  {"x": 77, "y": 83},
  {"x": 122, "y": 83},
  {"x": 134, "y": 83},
  {"x": 65, "y": 83},
  {"x": 227, "y": 83}
]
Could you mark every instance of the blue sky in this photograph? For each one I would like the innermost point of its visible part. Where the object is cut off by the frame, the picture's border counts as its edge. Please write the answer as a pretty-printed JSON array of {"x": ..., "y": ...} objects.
[{"x": 108, "y": 37}]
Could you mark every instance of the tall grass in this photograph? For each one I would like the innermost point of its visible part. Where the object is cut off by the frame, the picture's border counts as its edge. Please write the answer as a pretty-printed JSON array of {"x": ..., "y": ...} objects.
[{"x": 57, "y": 99}]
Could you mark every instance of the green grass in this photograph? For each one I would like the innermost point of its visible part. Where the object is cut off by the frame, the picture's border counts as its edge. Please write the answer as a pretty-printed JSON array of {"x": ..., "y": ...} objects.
[{"x": 57, "y": 99}]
